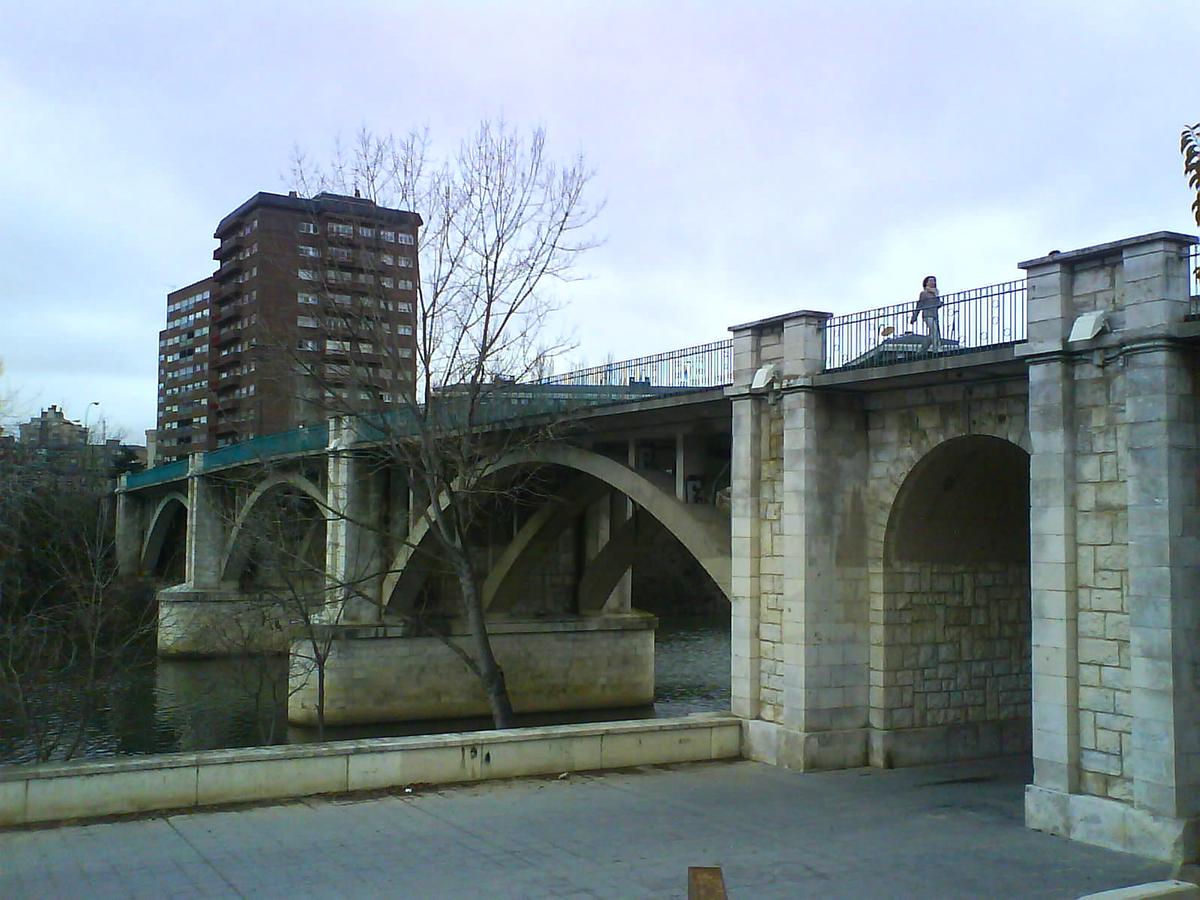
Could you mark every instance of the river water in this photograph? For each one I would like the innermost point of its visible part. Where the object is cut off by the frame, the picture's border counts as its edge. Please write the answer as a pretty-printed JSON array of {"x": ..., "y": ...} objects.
[{"x": 164, "y": 706}]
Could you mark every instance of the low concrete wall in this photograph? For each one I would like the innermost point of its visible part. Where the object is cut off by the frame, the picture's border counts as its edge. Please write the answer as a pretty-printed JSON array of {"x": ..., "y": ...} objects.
[
  {"x": 218, "y": 622},
  {"x": 380, "y": 675},
  {"x": 182, "y": 780}
]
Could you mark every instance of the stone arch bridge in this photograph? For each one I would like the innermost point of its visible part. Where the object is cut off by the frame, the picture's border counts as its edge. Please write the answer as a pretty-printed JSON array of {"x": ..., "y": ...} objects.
[{"x": 932, "y": 552}]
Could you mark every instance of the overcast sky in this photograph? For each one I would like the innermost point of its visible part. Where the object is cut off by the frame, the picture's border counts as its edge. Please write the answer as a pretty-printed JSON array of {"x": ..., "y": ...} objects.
[{"x": 754, "y": 157}]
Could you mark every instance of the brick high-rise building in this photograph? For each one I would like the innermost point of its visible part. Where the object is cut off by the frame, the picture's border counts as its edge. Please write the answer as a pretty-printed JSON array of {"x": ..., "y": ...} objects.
[{"x": 309, "y": 312}]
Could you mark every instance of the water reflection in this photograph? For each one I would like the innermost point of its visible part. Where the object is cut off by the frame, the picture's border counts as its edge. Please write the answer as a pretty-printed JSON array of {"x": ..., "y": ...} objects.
[
  {"x": 161, "y": 706},
  {"x": 214, "y": 703}
]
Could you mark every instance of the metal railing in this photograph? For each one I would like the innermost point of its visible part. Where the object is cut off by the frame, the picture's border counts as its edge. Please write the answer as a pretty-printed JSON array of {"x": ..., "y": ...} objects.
[
  {"x": 283, "y": 443},
  {"x": 977, "y": 319},
  {"x": 171, "y": 471},
  {"x": 692, "y": 368}
]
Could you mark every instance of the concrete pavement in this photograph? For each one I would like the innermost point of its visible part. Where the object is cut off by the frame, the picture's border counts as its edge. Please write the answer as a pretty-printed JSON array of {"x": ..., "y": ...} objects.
[{"x": 939, "y": 831}]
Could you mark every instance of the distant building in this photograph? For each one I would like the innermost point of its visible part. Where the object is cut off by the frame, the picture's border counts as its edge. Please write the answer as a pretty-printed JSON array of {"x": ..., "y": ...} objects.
[
  {"x": 52, "y": 430},
  {"x": 272, "y": 339},
  {"x": 53, "y": 436}
]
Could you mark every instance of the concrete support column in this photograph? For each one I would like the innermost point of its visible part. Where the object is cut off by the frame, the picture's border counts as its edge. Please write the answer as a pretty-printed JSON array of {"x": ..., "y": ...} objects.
[
  {"x": 129, "y": 530},
  {"x": 205, "y": 529},
  {"x": 1053, "y": 595},
  {"x": 355, "y": 520},
  {"x": 1164, "y": 580},
  {"x": 1115, "y": 529},
  {"x": 689, "y": 463},
  {"x": 824, "y": 649},
  {"x": 745, "y": 526},
  {"x": 602, "y": 519},
  {"x": 620, "y": 511}
]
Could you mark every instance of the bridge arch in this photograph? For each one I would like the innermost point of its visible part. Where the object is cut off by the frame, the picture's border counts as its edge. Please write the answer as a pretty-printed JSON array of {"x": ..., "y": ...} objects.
[
  {"x": 164, "y": 518},
  {"x": 238, "y": 547},
  {"x": 702, "y": 530},
  {"x": 951, "y": 614}
]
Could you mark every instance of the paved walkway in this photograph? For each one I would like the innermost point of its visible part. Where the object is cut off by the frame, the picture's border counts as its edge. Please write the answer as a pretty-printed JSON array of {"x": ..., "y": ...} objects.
[{"x": 942, "y": 831}]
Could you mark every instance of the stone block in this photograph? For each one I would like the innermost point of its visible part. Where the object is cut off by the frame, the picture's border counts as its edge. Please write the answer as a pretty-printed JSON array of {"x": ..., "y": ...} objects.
[
  {"x": 431, "y": 765},
  {"x": 12, "y": 802},
  {"x": 269, "y": 778},
  {"x": 654, "y": 748},
  {"x": 1160, "y": 837},
  {"x": 1096, "y": 699},
  {"x": 1099, "y": 652},
  {"x": 544, "y": 756},
  {"x": 100, "y": 792},
  {"x": 726, "y": 741},
  {"x": 1097, "y": 820},
  {"x": 1046, "y": 810}
]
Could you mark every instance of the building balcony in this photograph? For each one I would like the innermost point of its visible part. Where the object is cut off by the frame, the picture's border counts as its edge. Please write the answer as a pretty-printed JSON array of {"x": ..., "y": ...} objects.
[
  {"x": 228, "y": 268},
  {"x": 226, "y": 313},
  {"x": 230, "y": 244}
]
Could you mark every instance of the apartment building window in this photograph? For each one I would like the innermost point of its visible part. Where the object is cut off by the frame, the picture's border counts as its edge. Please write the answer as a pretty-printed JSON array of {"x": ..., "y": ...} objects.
[
  {"x": 306, "y": 344},
  {"x": 308, "y": 299},
  {"x": 339, "y": 230},
  {"x": 341, "y": 254},
  {"x": 306, "y": 274},
  {"x": 366, "y": 231},
  {"x": 341, "y": 299},
  {"x": 404, "y": 306},
  {"x": 403, "y": 329},
  {"x": 307, "y": 227},
  {"x": 387, "y": 259},
  {"x": 337, "y": 346},
  {"x": 387, "y": 281},
  {"x": 407, "y": 239},
  {"x": 365, "y": 278},
  {"x": 404, "y": 352},
  {"x": 336, "y": 275},
  {"x": 307, "y": 322},
  {"x": 404, "y": 262},
  {"x": 366, "y": 347},
  {"x": 306, "y": 250},
  {"x": 389, "y": 236}
]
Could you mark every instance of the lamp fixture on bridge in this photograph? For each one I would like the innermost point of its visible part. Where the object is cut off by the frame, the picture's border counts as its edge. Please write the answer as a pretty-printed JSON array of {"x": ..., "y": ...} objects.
[
  {"x": 763, "y": 377},
  {"x": 1088, "y": 326}
]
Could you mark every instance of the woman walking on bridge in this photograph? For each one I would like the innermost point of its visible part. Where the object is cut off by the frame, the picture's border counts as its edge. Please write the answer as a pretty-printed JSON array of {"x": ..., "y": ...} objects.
[{"x": 928, "y": 304}]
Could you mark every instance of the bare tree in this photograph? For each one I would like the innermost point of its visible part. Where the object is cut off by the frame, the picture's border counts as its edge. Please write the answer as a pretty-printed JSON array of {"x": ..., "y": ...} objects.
[
  {"x": 66, "y": 624},
  {"x": 502, "y": 224}
]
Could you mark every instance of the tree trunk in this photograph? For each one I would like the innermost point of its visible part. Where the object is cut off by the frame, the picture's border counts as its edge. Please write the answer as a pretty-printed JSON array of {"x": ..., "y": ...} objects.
[
  {"x": 489, "y": 670},
  {"x": 321, "y": 700}
]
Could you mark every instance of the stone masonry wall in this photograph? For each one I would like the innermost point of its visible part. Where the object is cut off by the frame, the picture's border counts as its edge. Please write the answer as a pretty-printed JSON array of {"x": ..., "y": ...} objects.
[
  {"x": 957, "y": 640},
  {"x": 1105, "y": 723},
  {"x": 949, "y": 641}
]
